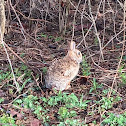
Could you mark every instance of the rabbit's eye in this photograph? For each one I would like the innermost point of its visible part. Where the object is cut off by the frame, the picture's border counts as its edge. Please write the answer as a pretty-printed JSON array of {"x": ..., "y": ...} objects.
[{"x": 79, "y": 53}]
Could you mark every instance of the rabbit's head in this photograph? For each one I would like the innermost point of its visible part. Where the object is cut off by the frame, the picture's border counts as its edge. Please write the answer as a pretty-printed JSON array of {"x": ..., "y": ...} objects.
[{"x": 74, "y": 53}]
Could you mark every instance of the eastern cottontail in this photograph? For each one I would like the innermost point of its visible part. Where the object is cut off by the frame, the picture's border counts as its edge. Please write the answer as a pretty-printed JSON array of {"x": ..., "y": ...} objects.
[{"x": 62, "y": 71}]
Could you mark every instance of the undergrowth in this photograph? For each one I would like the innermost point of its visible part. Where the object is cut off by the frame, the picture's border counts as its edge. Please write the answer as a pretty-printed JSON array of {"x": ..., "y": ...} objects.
[
  {"x": 22, "y": 75},
  {"x": 64, "y": 107},
  {"x": 68, "y": 106}
]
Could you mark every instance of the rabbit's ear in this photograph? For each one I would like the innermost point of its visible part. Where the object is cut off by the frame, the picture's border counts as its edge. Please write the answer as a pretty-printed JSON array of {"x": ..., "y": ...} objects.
[{"x": 72, "y": 45}]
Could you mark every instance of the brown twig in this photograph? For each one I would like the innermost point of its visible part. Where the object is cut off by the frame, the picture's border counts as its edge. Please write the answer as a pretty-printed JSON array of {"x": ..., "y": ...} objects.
[
  {"x": 22, "y": 28},
  {"x": 122, "y": 53},
  {"x": 32, "y": 19},
  {"x": 38, "y": 84}
]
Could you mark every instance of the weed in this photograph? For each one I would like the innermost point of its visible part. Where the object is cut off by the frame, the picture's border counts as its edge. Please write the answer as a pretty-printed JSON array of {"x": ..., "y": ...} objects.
[
  {"x": 54, "y": 38},
  {"x": 57, "y": 39},
  {"x": 31, "y": 102},
  {"x": 69, "y": 102},
  {"x": 1, "y": 100},
  {"x": 115, "y": 119},
  {"x": 6, "y": 120},
  {"x": 28, "y": 102},
  {"x": 43, "y": 35},
  {"x": 50, "y": 36},
  {"x": 122, "y": 75},
  {"x": 22, "y": 55},
  {"x": 124, "y": 57},
  {"x": 23, "y": 74},
  {"x": 95, "y": 86},
  {"x": 107, "y": 103},
  {"x": 53, "y": 101},
  {"x": 85, "y": 67},
  {"x": 64, "y": 113},
  {"x": 44, "y": 70},
  {"x": 72, "y": 122},
  {"x": 38, "y": 111},
  {"x": 4, "y": 75},
  {"x": 83, "y": 104}
]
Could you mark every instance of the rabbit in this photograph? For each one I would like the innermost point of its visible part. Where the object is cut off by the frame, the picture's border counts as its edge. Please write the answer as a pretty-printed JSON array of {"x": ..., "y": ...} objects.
[{"x": 61, "y": 72}]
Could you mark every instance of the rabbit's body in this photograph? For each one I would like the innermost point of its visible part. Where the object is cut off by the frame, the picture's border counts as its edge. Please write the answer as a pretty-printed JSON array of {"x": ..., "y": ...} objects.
[{"x": 62, "y": 71}]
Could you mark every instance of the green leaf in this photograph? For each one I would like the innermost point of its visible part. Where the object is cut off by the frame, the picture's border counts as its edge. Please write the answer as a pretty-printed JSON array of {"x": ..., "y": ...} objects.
[
  {"x": 19, "y": 101},
  {"x": 1, "y": 100},
  {"x": 63, "y": 111}
]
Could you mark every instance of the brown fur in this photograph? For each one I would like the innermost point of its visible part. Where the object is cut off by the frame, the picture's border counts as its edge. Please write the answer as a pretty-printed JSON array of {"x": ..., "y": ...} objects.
[{"x": 62, "y": 71}]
